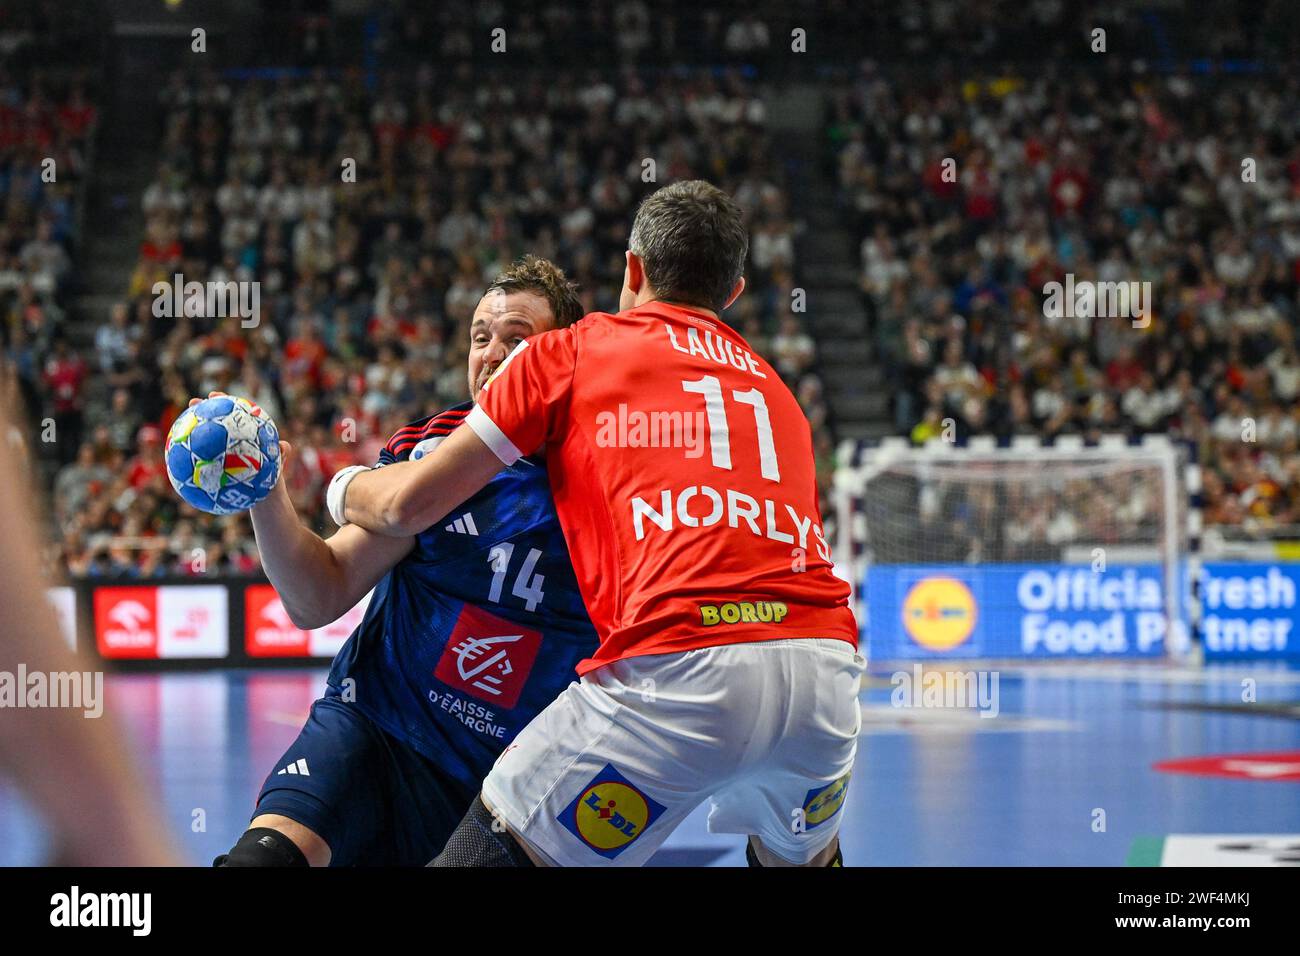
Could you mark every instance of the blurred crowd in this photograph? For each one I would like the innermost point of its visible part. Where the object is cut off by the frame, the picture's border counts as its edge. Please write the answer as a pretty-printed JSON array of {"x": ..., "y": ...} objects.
[
  {"x": 609, "y": 34},
  {"x": 971, "y": 196},
  {"x": 373, "y": 207},
  {"x": 46, "y": 124},
  {"x": 48, "y": 57},
  {"x": 373, "y": 219},
  {"x": 958, "y": 512}
]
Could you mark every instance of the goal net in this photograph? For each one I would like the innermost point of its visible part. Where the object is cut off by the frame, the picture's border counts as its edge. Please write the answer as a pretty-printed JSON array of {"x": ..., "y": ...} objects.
[{"x": 1023, "y": 551}]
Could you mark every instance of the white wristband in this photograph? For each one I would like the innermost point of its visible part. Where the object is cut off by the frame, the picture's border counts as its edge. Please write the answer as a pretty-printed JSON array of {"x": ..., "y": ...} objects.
[{"x": 338, "y": 488}]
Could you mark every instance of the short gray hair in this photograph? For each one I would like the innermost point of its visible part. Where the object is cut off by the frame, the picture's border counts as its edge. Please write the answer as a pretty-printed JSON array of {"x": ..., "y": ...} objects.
[{"x": 691, "y": 236}]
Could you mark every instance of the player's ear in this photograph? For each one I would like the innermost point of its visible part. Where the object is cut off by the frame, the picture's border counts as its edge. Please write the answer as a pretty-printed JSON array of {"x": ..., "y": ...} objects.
[
  {"x": 634, "y": 273},
  {"x": 735, "y": 292}
]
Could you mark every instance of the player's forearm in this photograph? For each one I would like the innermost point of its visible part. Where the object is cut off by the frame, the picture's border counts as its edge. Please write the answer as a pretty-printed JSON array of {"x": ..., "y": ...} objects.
[
  {"x": 380, "y": 500},
  {"x": 319, "y": 580},
  {"x": 72, "y": 765},
  {"x": 70, "y": 761},
  {"x": 302, "y": 567},
  {"x": 120, "y": 825},
  {"x": 403, "y": 499}
]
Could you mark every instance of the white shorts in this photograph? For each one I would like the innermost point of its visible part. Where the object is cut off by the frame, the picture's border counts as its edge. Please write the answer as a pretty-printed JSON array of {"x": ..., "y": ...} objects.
[{"x": 767, "y": 730}]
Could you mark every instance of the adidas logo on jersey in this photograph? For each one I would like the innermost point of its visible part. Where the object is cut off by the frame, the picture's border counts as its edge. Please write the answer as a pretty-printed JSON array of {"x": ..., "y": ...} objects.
[
  {"x": 463, "y": 525},
  {"x": 299, "y": 767}
]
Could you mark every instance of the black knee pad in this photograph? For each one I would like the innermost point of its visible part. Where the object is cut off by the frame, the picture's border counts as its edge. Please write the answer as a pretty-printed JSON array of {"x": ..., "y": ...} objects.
[
  {"x": 752, "y": 858},
  {"x": 262, "y": 846},
  {"x": 476, "y": 842}
]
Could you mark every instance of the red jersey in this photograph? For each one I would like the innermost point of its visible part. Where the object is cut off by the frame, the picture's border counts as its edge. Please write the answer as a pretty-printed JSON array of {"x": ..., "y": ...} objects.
[
  {"x": 64, "y": 378},
  {"x": 682, "y": 470}
]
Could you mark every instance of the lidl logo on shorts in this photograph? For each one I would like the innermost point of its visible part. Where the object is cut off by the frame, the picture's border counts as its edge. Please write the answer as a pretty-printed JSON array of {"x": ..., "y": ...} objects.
[
  {"x": 824, "y": 802},
  {"x": 610, "y": 813},
  {"x": 939, "y": 613}
]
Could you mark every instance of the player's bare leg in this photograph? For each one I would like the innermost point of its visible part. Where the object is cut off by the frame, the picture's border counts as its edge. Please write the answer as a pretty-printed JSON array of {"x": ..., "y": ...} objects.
[{"x": 765, "y": 857}]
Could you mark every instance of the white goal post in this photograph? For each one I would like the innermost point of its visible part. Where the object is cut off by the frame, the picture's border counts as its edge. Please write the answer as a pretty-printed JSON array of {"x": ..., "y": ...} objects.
[{"x": 1025, "y": 550}]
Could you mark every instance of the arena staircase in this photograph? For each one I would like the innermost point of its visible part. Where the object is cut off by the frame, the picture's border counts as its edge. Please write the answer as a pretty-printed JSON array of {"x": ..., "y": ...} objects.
[
  {"x": 828, "y": 267},
  {"x": 125, "y": 163}
]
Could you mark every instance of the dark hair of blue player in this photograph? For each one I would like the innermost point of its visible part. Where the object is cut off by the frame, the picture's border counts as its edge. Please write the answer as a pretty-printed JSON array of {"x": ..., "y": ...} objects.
[{"x": 543, "y": 277}]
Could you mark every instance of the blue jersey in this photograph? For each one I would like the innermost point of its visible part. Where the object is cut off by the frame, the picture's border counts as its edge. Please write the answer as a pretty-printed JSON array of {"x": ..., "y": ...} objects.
[{"x": 476, "y": 630}]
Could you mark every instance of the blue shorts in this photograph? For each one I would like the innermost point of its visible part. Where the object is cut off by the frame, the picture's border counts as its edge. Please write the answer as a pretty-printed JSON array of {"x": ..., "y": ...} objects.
[{"x": 375, "y": 800}]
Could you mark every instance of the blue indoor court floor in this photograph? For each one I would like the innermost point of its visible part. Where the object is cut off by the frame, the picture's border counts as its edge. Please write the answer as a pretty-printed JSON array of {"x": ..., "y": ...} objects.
[{"x": 1063, "y": 775}]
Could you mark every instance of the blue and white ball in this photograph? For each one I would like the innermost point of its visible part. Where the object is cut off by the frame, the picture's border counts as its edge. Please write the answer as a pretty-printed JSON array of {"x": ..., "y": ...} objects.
[{"x": 223, "y": 455}]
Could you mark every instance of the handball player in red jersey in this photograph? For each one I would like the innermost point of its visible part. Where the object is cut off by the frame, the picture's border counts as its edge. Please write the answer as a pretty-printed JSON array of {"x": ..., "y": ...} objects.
[{"x": 728, "y": 666}]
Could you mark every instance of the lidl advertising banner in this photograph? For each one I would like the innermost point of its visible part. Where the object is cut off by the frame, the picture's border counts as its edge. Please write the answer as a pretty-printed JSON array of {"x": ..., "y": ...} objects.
[
  {"x": 1016, "y": 610},
  {"x": 1249, "y": 610},
  {"x": 268, "y": 632},
  {"x": 162, "y": 621}
]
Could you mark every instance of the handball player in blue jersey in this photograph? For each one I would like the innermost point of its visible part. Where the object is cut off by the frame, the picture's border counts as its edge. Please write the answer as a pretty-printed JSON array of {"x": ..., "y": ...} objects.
[{"x": 475, "y": 625}]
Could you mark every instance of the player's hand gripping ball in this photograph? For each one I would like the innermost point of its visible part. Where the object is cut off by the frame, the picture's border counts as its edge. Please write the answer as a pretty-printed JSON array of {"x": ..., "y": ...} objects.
[{"x": 223, "y": 455}]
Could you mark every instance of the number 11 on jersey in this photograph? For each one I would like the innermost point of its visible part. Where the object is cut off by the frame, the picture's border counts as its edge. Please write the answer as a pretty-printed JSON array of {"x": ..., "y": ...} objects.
[{"x": 720, "y": 436}]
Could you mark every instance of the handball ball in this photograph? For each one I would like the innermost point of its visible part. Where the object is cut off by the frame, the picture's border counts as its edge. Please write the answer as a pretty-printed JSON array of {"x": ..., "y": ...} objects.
[{"x": 223, "y": 455}]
